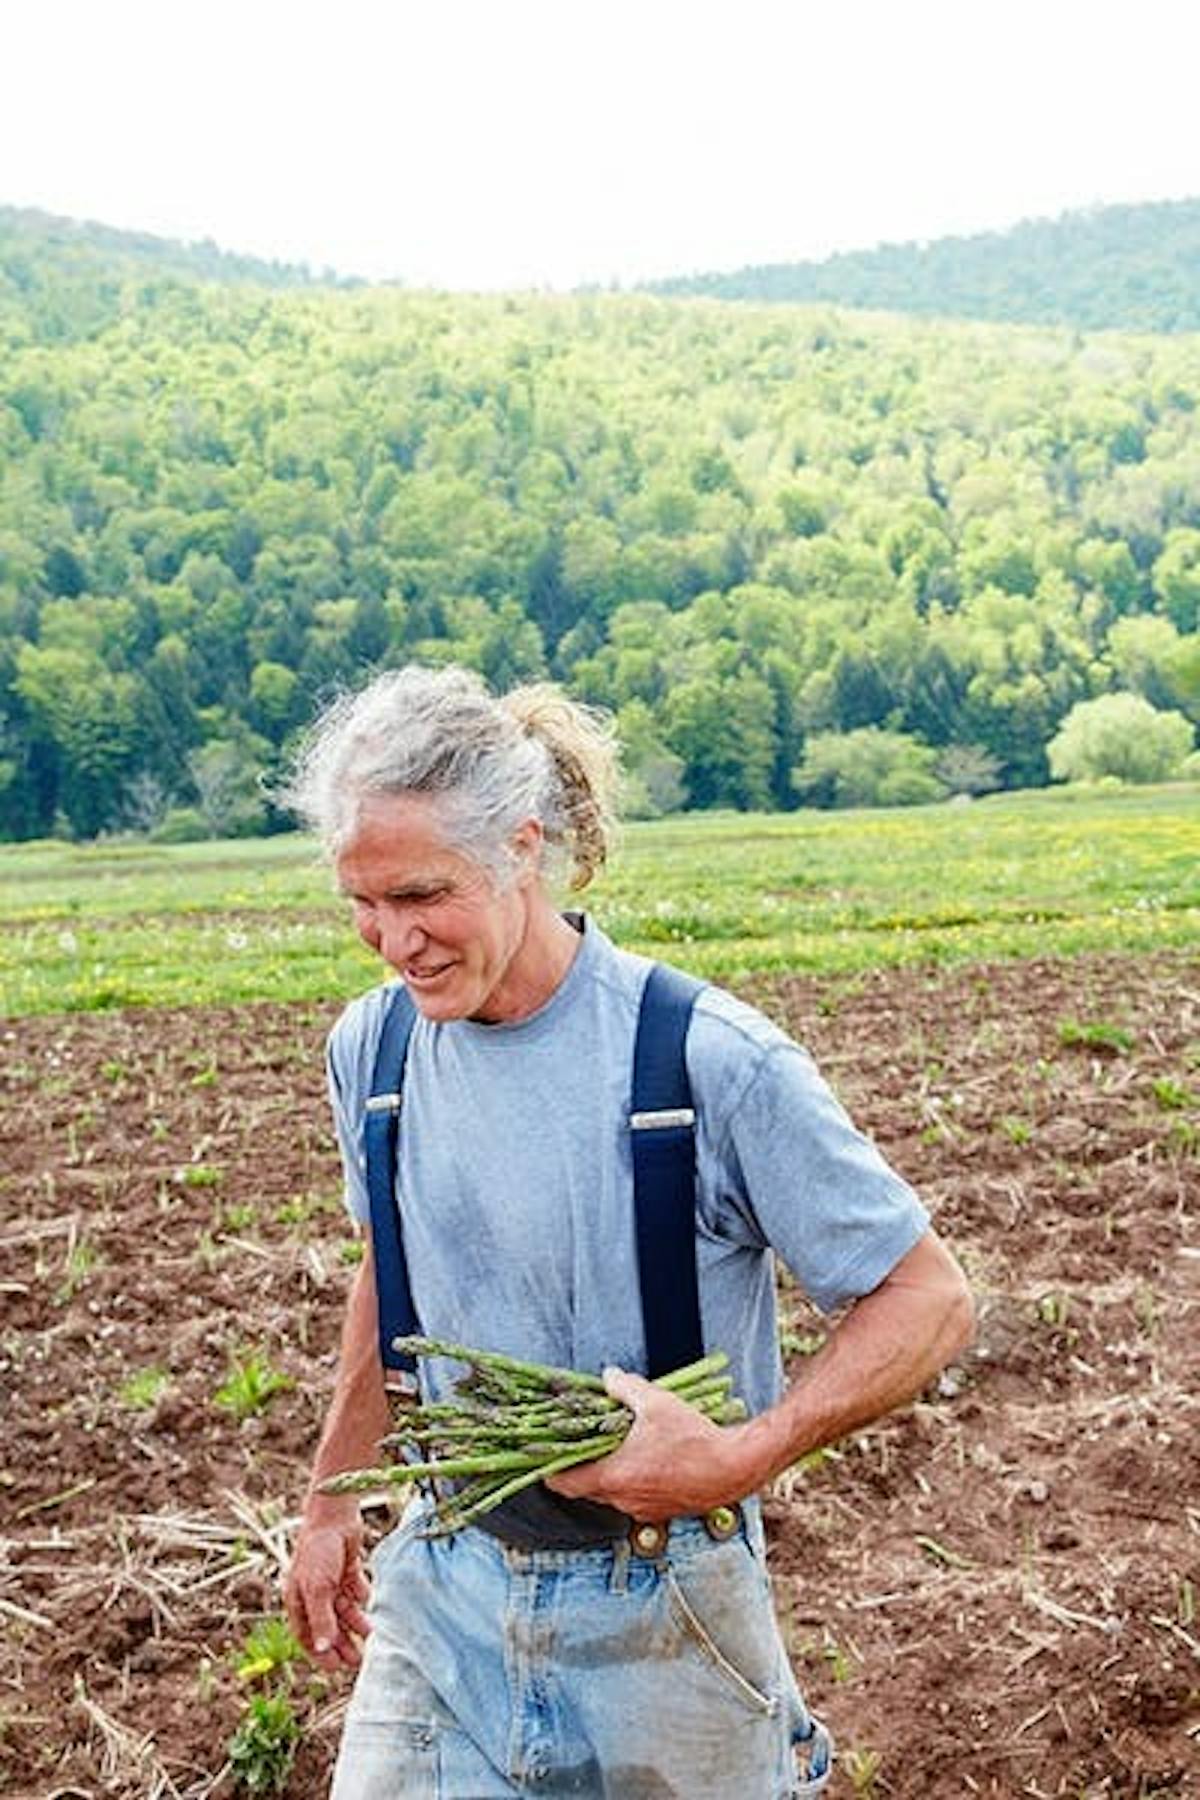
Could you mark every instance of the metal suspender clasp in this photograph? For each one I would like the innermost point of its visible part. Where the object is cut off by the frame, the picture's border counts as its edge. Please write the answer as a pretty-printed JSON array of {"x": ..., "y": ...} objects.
[
  {"x": 383, "y": 1103},
  {"x": 671, "y": 1117}
]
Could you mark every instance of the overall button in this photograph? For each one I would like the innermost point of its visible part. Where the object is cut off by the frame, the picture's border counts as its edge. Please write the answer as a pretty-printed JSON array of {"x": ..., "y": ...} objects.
[
  {"x": 723, "y": 1522},
  {"x": 648, "y": 1540}
]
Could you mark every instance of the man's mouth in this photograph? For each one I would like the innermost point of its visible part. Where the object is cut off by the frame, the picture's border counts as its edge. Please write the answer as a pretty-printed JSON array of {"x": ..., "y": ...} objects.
[{"x": 430, "y": 973}]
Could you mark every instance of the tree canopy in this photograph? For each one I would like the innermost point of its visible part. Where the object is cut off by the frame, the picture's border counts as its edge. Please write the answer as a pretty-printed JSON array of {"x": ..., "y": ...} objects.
[
  {"x": 743, "y": 529},
  {"x": 1125, "y": 267}
]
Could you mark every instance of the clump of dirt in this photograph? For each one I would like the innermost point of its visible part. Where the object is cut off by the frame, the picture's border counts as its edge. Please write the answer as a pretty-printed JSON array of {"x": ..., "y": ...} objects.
[{"x": 992, "y": 1593}]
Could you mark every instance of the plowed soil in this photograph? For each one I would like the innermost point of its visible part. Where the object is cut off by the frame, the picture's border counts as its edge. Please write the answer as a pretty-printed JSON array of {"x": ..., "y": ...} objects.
[{"x": 994, "y": 1592}]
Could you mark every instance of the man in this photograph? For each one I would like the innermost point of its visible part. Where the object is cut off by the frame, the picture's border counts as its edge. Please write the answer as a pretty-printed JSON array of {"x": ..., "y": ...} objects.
[{"x": 612, "y": 1637}]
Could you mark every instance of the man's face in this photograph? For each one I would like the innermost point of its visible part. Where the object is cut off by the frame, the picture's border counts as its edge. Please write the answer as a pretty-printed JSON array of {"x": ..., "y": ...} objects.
[{"x": 437, "y": 917}]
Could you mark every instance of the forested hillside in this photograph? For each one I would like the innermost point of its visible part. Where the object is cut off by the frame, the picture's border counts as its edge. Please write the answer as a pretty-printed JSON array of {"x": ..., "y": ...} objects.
[
  {"x": 62, "y": 279},
  {"x": 1133, "y": 267},
  {"x": 752, "y": 531}
]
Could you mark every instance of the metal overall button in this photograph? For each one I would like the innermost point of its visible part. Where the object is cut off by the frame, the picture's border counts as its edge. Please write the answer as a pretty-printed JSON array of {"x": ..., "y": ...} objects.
[
  {"x": 649, "y": 1540},
  {"x": 722, "y": 1522}
]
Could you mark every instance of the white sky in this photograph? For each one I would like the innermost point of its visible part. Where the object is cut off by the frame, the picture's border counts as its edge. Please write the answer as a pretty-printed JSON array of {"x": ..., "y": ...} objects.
[{"x": 493, "y": 143}]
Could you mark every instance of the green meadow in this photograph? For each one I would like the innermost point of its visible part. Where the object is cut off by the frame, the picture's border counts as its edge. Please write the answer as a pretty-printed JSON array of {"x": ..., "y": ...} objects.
[{"x": 728, "y": 895}]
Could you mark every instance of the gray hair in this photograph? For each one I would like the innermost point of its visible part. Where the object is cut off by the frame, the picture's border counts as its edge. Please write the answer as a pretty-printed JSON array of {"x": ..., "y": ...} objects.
[{"x": 486, "y": 763}]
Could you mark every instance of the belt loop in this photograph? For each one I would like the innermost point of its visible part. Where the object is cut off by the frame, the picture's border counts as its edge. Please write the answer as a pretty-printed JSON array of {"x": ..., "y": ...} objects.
[{"x": 618, "y": 1580}]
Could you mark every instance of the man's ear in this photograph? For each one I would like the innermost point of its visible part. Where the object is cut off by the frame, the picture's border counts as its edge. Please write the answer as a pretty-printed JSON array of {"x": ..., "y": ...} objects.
[{"x": 526, "y": 843}]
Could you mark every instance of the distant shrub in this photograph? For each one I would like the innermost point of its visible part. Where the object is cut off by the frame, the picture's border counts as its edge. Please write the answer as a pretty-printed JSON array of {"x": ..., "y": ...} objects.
[
  {"x": 182, "y": 825},
  {"x": 1120, "y": 735},
  {"x": 867, "y": 767}
]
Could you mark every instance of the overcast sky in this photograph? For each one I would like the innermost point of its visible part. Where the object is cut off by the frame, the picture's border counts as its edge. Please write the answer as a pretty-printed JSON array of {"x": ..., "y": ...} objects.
[{"x": 493, "y": 143}]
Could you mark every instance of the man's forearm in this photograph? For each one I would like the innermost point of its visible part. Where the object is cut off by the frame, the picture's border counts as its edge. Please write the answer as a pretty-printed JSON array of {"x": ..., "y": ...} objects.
[
  {"x": 890, "y": 1344},
  {"x": 358, "y": 1416}
]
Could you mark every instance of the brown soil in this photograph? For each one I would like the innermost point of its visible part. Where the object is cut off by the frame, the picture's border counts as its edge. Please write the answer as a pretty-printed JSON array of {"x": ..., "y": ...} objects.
[{"x": 992, "y": 1593}]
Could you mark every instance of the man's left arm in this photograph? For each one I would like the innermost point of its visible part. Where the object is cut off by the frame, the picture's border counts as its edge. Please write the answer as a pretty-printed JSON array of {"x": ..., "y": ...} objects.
[{"x": 884, "y": 1350}]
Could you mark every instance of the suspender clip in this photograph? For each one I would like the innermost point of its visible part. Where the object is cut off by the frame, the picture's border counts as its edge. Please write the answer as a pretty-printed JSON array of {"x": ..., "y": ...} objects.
[{"x": 670, "y": 1117}]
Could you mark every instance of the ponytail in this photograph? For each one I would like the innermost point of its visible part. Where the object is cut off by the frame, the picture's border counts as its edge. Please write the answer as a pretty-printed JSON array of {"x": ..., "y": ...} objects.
[{"x": 582, "y": 748}]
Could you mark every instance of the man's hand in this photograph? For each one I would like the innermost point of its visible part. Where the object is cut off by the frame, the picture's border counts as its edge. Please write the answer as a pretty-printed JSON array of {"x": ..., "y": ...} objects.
[
  {"x": 674, "y": 1460},
  {"x": 326, "y": 1588}
]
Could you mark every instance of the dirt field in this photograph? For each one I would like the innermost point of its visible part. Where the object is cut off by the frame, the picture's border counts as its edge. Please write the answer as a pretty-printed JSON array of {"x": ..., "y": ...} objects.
[{"x": 994, "y": 1593}]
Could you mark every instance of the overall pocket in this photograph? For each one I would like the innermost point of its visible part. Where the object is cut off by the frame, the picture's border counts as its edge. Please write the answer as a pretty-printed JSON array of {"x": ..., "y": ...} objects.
[{"x": 720, "y": 1601}]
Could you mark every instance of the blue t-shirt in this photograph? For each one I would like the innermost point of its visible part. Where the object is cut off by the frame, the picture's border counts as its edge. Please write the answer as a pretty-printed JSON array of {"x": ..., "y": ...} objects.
[{"x": 514, "y": 1179}]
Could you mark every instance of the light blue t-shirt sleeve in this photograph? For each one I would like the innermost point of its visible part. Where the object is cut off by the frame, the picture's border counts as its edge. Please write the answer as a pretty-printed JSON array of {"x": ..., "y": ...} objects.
[
  {"x": 349, "y": 1057},
  {"x": 792, "y": 1171}
]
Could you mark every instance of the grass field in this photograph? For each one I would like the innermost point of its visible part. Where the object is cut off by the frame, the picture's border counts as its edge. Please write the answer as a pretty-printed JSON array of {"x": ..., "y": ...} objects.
[{"x": 727, "y": 895}]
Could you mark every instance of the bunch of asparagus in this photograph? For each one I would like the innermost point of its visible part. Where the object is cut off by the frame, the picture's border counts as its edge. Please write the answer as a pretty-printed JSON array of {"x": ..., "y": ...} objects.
[{"x": 514, "y": 1423}]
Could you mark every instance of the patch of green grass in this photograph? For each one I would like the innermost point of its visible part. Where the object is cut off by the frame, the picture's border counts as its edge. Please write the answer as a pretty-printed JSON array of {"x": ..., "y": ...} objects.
[
  {"x": 727, "y": 895},
  {"x": 1110, "y": 1040}
]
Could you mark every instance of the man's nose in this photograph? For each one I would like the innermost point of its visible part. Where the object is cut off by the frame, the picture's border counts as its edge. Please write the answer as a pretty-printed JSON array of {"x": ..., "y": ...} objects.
[{"x": 401, "y": 939}]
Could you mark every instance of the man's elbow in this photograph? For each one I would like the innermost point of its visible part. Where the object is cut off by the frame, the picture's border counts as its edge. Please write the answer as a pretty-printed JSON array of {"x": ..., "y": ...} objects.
[{"x": 959, "y": 1312}]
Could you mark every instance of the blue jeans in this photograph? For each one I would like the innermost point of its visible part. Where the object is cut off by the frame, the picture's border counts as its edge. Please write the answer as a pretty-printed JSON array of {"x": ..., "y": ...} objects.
[{"x": 495, "y": 1672}]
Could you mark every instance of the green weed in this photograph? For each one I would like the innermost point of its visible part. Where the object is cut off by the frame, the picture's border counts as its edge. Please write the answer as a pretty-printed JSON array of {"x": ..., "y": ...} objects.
[
  {"x": 144, "y": 1388},
  {"x": 1184, "y": 1137},
  {"x": 351, "y": 1251},
  {"x": 250, "y": 1385},
  {"x": 242, "y": 1217},
  {"x": 1054, "y": 1310},
  {"x": 1171, "y": 1095},
  {"x": 199, "y": 1175},
  {"x": 81, "y": 1259},
  {"x": 263, "y": 1748},
  {"x": 862, "y": 1769},
  {"x": 270, "y": 1649},
  {"x": 1110, "y": 1040},
  {"x": 842, "y": 1665}
]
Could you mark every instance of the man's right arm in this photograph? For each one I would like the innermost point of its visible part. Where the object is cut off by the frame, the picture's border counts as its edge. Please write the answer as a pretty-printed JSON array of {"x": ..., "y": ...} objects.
[{"x": 326, "y": 1587}]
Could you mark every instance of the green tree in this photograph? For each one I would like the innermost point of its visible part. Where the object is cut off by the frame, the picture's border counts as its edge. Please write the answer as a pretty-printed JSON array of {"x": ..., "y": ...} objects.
[
  {"x": 867, "y": 767},
  {"x": 88, "y": 715},
  {"x": 1176, "y": 578},
  {"x": 1120, "y": 735},
  {"x": 968, "y": 769}
]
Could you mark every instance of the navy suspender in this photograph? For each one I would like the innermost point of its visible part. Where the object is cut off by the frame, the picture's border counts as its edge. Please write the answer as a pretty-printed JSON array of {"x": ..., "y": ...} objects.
[
  {"x": 663, "y": 1132},
  {"x": 662, "y": 1129},
  {"x": 397, "y": 1315}
]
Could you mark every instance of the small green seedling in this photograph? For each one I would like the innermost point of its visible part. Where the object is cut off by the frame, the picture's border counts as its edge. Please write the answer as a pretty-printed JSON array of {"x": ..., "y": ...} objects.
[
  {"x": 1170, "y": 1095},
  {"x": 1107, "y": 1040},
  {"x": 351, "y": 1251},
  {"x": 270, "y": 1649},
  {"x": 251, "y": 1385},
  {"x": 862, "y": 1767},
  {"x": 144, "y": 1388},
  {"x": 1054, "y": 1309},
  {"x": 199, "y": 1175},
  {"x": 80, "y": 1260},
  {"x": 841, "y": 1663},
  {"x": 241, "y": 1217},
  {"x": 263, "y": 1748}
]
